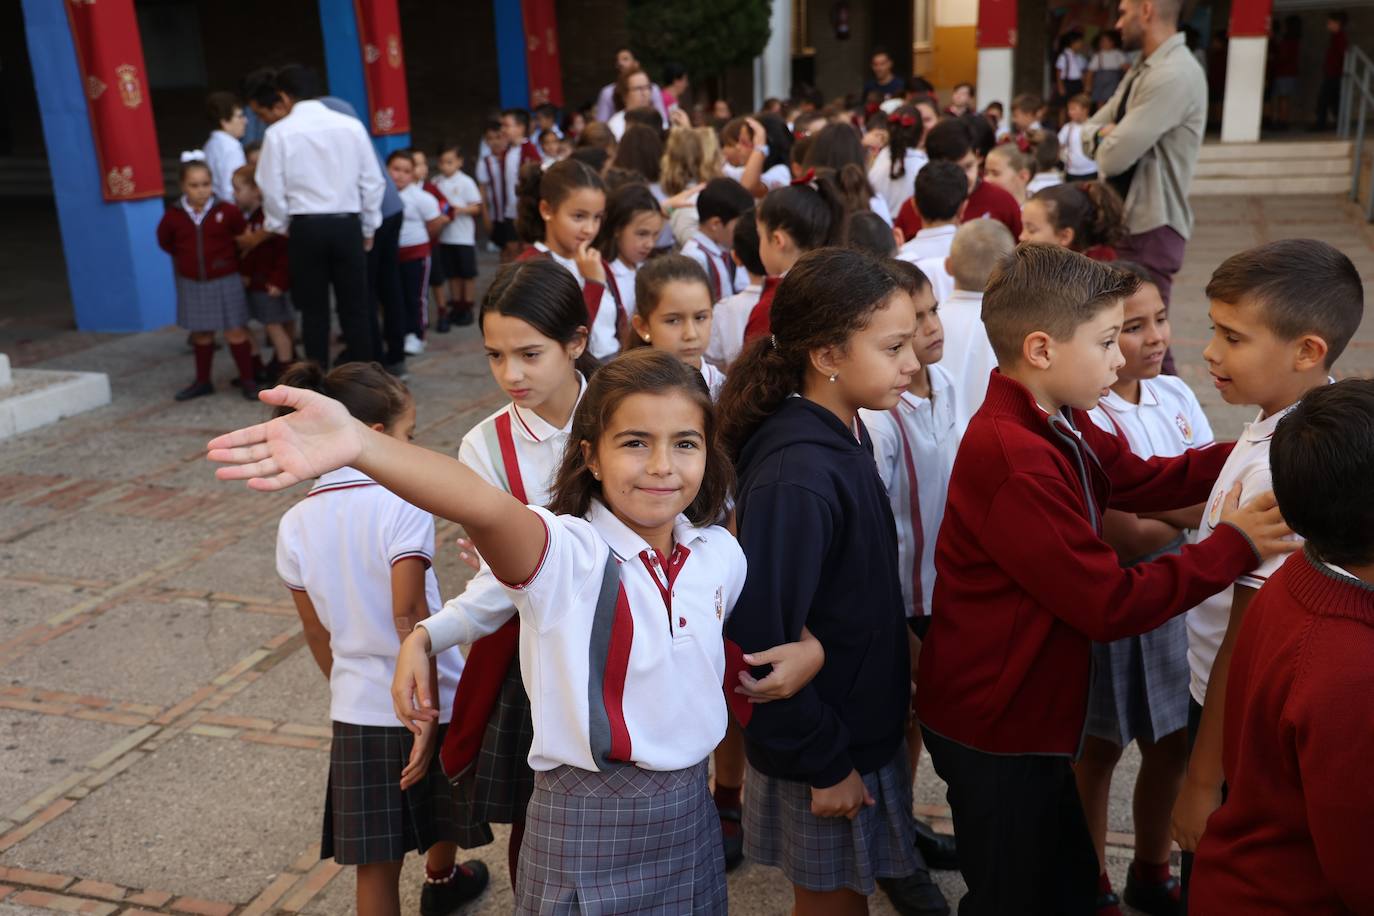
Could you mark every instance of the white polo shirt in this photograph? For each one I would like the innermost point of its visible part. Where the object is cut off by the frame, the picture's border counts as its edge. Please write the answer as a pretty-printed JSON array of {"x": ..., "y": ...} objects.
[
  {"x": 638, "y": 679},
  {"x": 624, "y": 276},
  {"x": 728, "y": 322},
  {"x": 941, "y": 283},
  {"x": 721, "y": 270},
  {"x": 1248, "y": 465},
  {"x": 929, "y": 243},
  {"x": 1167, "y": 422},
  {"x": 602, "y": 342},
  {"x": 461, "y": 191},
  {"x": 895, "y": 191},
  {"x": 715, "y": 379},
  {"x": 484, "y": 607},
  {"x": 914, "y": 445},
  {"x": 968, "y": 358},
  {"x": 420, "y": 208},
  {"x": 338, "y": 545}
]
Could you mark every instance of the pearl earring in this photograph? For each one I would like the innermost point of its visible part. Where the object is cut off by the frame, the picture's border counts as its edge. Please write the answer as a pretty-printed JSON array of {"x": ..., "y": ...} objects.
[
  {"x": 646, "y": 338},
  {"x": 835, "y": 376}
]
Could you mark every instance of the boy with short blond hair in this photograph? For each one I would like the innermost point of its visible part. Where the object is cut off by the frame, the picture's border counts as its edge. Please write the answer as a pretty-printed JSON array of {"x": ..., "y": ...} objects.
[{"x": 1025, "y": 582}]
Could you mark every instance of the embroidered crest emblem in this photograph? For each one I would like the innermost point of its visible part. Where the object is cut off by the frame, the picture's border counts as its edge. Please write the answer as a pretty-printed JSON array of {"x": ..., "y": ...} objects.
[
  {"x": 371, "y": 53},
  {"x": 393, "y": 51},
  {"x": 95, "y": 88},
  {"x": 384, "y": 119},
  {"x": 129, "y": 90},
  {"x": 1183, "y": 427},
  {"x": 120, "y": 181},
  {"x": 1214, "y": 511},
  {"x": 720, "y": 603}
]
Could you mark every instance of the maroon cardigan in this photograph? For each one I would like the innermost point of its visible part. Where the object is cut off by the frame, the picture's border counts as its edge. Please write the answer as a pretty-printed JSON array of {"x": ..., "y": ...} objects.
[
  {"x": 1025, "y": 583},
  {"x": 1293, "y": 835},
  {"x": 207, "y": 251},
  {"x": 267, "y": 263}
]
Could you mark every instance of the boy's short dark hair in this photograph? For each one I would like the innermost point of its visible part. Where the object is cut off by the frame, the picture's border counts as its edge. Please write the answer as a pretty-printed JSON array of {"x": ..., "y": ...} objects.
[
  {"x": 454, "y": 148},
  {"x": 1047, "y": 288},
  {"x": 948, "y": 141},
  {"x": 725, "y": 198},
  {"x": 492, "y": 126},
  {"x": 1302, "y": 286},
  {"x": 1322, "y": 463},
  {"x": 1139, "y": 271},
  {"x": 941, "y": 187},
  {"x": 299, "y": 82},
  {"x": 521, "y": 116},
  {"x": 220, "y": 107},
  {"x": 547, "y": 110},
  {"x": 1028, "y": 101},
  {"x": 868, "y": 232},
  {"x": 982, "y": 137},
  {"x": 919, "y": 84},
  {"x": 746, "y": 244}
]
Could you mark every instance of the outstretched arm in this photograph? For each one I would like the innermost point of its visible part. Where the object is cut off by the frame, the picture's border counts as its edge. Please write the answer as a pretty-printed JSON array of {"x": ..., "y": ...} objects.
[{"x": 320, "y": 436}]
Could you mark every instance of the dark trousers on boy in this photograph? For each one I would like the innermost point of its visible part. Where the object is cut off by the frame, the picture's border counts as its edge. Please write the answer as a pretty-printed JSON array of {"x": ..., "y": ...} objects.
[
  {"x": 324, "y": 251},
  {"x": 384, "y": 286},
  {"x": 1024, "y": 845}
]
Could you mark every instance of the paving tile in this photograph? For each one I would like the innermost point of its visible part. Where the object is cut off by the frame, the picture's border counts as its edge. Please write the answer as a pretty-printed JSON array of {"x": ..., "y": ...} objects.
[
  {"x": 293, "y": 690},
  {"x": 23, "y": 605},
  {"x": 144, "y": 651},
  {"x": 106, "y": 547},
  {"x": 40, "y": 751},
  {"x": 247, "y": 812}
]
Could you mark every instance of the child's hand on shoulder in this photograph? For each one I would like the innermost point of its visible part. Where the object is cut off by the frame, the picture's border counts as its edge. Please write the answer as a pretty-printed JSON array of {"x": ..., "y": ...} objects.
[
  {"x": 421, "y": 753},
  {"x": 794, "y": 665},
  {"x": 1260, "y": 521},
  {"x": 846, "y": 798}
]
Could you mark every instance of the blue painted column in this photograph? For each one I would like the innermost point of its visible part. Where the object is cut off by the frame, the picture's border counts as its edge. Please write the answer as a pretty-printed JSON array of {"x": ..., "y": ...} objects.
[
  {"x": 510, "y": 54},
  {"x": 120, "y": 280},
  {"x": 343, "y": 59}
]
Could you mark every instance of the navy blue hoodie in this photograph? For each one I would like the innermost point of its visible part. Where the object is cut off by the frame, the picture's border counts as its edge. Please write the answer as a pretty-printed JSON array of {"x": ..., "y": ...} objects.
[{"x": 817, "y": 529}]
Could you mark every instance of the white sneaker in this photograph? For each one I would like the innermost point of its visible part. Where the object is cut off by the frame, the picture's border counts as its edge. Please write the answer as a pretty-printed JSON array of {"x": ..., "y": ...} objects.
[{"x": 414, "y": 346}]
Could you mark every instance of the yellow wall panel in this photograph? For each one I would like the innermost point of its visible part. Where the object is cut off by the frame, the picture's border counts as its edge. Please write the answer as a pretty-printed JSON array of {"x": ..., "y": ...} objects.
[{"x": 953, "y": 57}]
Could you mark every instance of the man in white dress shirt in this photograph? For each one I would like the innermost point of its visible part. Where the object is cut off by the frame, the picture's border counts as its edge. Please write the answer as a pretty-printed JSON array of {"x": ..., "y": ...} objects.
[{"x": 322, "y": 188}]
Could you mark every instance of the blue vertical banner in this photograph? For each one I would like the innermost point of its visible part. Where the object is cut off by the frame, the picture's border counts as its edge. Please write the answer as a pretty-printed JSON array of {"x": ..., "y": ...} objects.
[
  {"x": 120, "y": 280},
  {"x": 343, "y": 59},
  {"x": 511, "y": 66}
]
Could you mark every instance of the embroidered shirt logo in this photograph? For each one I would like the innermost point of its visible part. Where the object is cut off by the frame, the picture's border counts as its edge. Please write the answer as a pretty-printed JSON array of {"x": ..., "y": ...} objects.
[
  {"x": 1184, "y": 428},
  {"x": 720, "y": 603},
  {"x": 1214, "y": 512}
]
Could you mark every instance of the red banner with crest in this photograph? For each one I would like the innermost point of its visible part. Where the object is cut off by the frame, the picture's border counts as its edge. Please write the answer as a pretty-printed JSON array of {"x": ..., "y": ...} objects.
[
  {"x": 379, "y": 31},
  {"x": 541, "y": 52},
  {"x": 109, "y": 54}
]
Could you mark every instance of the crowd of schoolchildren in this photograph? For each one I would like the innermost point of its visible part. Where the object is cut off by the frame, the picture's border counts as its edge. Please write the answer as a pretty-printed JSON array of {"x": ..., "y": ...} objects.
[{"x": 834, "y": 433}]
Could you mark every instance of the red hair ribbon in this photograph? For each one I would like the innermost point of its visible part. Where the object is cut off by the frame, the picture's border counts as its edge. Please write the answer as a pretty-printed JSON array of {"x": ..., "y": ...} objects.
[
  {"x": 905, "y": 120},
  {"x": 809, "y": 179}
]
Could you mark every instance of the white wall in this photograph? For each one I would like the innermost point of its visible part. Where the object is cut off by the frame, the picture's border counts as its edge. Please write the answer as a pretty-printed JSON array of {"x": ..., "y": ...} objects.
[
  {"x": 995, "y": 76},
  {"x": 1244, "y": 100},
  {"x": 950, "y": 13}
]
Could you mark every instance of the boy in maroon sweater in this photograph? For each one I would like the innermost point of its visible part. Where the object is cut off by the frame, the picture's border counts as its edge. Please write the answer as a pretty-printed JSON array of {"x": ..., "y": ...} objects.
[
  {"x": 1293, "y": 834},
  {"x": 1025, "y": 583}
]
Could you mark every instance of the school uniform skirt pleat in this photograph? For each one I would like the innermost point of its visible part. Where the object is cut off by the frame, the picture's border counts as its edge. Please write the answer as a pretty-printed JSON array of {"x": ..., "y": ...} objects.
[
  {"x": 829, "y": 853},
  {"x": 496, "y": 788},
  {"x": 270, "y": 309},
  {"x": 627, "y": 840},
  {"x": 1139, "y": 687},
  {"x": 367, "y": 816},
  {"x": 211, "y": 305}
]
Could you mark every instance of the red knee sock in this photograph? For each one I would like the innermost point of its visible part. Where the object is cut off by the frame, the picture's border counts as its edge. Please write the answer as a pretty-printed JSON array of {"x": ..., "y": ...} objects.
[
  {"x": 517, "y": 839},
  {"x": 243, "y": 358},
  {"x": 205, "y": 356}
]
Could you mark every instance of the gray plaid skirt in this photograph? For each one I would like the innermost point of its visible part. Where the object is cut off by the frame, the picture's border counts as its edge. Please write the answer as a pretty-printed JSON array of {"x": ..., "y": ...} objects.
[
  {"x": 627, "y": 840},
  {"x": 497, "y": 787},
  {"x": 269, "y": 309},
  {"x": 367, "y": 817},
  {"x": 212, "y": 305},
  {"x": 828, "y": 853},
  {"x": 1139, "y": 685}
]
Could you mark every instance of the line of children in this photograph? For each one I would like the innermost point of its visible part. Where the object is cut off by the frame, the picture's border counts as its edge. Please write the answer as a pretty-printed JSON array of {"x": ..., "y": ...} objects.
[
  {"x": 1282, "y": 314},
  {"x": 1139, "y": 683},
  {"x": 1086, "y": 217},
  {"x": 200, "y": 232},
  {"x": 1002, "y": 685},
  {"x": 266, "y": 274},
  {"x": 420, "y": 225},
  {"x": 458, "y": 240},
  {"x": 560, "y": 216},
  {"x": 359, "y": 563},
  {"x": 438, "y": 276}
]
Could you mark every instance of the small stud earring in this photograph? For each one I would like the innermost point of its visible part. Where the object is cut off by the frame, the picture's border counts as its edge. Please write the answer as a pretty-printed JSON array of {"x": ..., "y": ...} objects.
[
  {"x": 646, "y": 338},
  {"x": 835, "y": 376}
]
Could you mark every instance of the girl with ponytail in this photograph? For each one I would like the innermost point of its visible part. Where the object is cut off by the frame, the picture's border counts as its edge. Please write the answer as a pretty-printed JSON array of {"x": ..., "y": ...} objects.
[
  {"x": 838, "y": 147},
  {"x": 1086, "y": 217},
  {"x": 893, "y": 173},
  {"x": 829, "y": 796},
  {"x": 559, "y": 213}
]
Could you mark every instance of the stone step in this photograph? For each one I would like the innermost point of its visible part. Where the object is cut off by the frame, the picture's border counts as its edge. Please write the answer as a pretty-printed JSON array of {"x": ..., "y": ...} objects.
[
  {"x": 1263, "y": 168},
  {"x": 1271, "y": 185},
  {"x": 1277, "y": 149}
]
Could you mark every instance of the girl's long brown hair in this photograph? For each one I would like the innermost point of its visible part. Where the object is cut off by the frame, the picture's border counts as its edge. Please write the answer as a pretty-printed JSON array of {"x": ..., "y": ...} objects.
[{"x": 643, "y": 371}]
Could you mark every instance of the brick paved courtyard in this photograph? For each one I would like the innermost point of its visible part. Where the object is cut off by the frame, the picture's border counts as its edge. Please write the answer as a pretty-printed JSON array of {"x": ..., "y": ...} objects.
[{"x": 163, "y": 729}]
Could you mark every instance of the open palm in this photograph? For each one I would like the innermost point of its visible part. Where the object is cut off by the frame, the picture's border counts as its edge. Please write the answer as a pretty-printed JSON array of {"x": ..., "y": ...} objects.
[{"x": 317, "y": 437}]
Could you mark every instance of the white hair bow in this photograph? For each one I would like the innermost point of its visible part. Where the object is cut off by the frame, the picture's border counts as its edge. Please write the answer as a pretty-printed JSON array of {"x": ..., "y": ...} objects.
[{"x": 193, "y": 155}]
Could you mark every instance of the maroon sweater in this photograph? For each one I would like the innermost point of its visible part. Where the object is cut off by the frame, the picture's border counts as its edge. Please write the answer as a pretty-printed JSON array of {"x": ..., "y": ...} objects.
[
  {"x": 1025, "y": 584},
  {"x": 267, "y": 263},
  {"x": 1294, "y": 834},
  {"x": 987, "y": 200},
  {"x": 204, "y": 252}
]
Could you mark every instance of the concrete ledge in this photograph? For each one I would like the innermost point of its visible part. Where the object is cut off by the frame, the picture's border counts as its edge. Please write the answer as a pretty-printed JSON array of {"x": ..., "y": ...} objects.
[
  {"x": 30, "y": 398},
  {"x": 1277, "y": 149},
  {"x": 1263, "y": 187}
]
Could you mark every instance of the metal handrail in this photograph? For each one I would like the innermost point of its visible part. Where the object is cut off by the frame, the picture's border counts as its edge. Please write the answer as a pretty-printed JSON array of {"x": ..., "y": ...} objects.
[{"x": 1357, "y": 90}]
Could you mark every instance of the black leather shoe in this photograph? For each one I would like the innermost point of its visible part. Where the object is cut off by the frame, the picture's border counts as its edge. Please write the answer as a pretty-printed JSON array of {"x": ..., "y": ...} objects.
[
  {"x": 1155, "y": 899},
  {"x": 195, "y": 390},
  {"x": 442, "y": 325},
  {"x": 466, "y": 885},
  {"x": 463, "y": 317},
  {"x": 938, "y": 849},
  {"x": 732, "y": 840},
  {"x": 915, "y": 895}
]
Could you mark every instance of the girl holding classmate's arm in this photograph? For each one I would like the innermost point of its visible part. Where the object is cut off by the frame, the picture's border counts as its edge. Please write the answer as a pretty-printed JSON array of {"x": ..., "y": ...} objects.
[
  {"x": 830, "y": 787},
  {"x": 559, "y": 212},
  {"x": 807, "y": 214},
  {"x": 629, "y": 234},
  {"x": 357, "y": 561},
  {"x": 1086, "y": 217}
]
